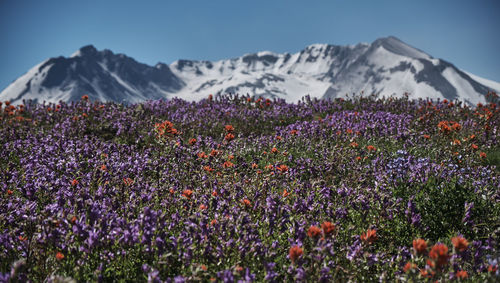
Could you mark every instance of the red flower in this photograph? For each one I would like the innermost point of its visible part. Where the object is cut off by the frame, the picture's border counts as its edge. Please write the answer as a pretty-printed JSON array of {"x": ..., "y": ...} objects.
[
  {"x": 74, "y": 182},
  {"x": 369, "y": 237},
  {"x": 278, "y": 138},
  {"x": 192, "y": 141},
  {"x": 208, "y": 168},
  {"x": 59, "y": 256},
  {"x": 229, "y": 128},
  {"x": 294, "y": 253},
  {"x": 282, "y": 168},
  {"x": 420, "y": 246},
  {"x": 10, "y": 192},
  {"x": 294, "y": 132},
  {"x": 482, "y": 154},
  {"x": 474, "y": 146},
  {"x": 103, "y": 167},
  {"x": 460, "y": 243},
  {"x": 227, "y": 164},
  {"x": 354, "y": 144},
  {"x": 85, "y": 97},
  {"x": 328, "y": 228},
  {"x": 439, "y": 253},
  {"x": 214, "y": 193},
  {"x": 203, "y": 207},
  {"x": 246, "y": 202},
  {"x": 187, "y": 194},
  {"x": 285, "y": 193},
  {"x": 128, "y": 181},
  {"x": 214, "y": 152},
  {"x": 313, "y": 231},
  {"x": 492, "y": 268},
  {"x": 461, "y": 274},
  {"x": 229, "y": 137},
  {"x": 409, "y": 266},
  {"x": 371, "y": 148},
  {"x": 274, "y": 150}
]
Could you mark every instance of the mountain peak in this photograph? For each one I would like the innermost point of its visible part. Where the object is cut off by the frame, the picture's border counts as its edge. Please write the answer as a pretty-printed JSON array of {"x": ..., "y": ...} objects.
[
  {"x": 397, "y": 46},
  {"x": 85, "y": 50}
]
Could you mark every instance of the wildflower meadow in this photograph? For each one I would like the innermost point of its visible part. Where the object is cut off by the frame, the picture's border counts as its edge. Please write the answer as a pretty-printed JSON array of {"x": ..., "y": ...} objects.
[{"x": 234, "y": 188}]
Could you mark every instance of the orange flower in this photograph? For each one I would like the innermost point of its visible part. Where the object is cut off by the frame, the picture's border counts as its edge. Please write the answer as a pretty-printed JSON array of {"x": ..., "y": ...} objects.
[
  {"x": 313, "y": 231},
  {"x": 10, "y": 192},
  {"x": 74, "y": 182},
  {"x": 294, "y": 132},
  {"x": 274, "y": 150},
  {"x": 202, "y": 155},
  {"x": 246, "y": 202},
  {"x": 482, "y": 154},
  {"x": 439, "y": 253},
  {"x": 369, "y": 237},
  {"x": 73, "y": 219},
  {"x": 474, "y": 146},
  {"x": 229, "y": 128},
  {"x": 358, "y": 158},
  {"x": 204, "y": 267},
  {"x": 420, "y": 246},
  {"x": 371, "y": 148},
  {"x": 461, "y": 274},
  {"x": 328, "y": 228},
  {"x": 187, "y": 194},
  {"x": 85, "y": 97},
  {"x": 354, "y": 144},
  {"x": 103, "y": 167},
  {"x": 192, "y": 141},
  {"x": 426, "y": 274},
  {"x": 59, "y": 256},
  {"x": 409, "y": 266},
  {"x": 282, "y": 168},
  {"x": 208, "y": 168},
  {"x": 227, "y": 164},
  {"x": 278, "y": 138},
  {"x": 22, "y": 239},
  {"x": 214, "y": 152},
  {"x": 285, "y": 193},
  {"x": 213, "y": 222},
  {"x": 254, "y": 165},
  {"x": 294, "y": 253},
  {"x": 203, "y": 207},
  {"x": 456, "y": 142},
  {"x": 229, "y": 137},
  {"x": 460, "y": 243},
  {"x": 492, "y": 268}
]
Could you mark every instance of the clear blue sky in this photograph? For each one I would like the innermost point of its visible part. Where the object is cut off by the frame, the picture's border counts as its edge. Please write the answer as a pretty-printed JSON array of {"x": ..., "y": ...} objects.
[{"x": 465, "y": 33}]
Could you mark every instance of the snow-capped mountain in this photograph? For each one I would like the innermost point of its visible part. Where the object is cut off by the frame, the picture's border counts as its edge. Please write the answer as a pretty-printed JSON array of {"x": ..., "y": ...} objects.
[{"x": 387, "y": 67}]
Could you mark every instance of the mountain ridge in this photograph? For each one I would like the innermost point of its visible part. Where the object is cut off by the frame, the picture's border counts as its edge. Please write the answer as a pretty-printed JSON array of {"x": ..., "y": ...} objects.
[{"x": 386, "y": 67}]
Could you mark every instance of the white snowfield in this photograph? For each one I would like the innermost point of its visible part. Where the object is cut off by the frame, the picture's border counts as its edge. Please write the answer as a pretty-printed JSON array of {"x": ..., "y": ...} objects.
[{"x": 387, "y": 67}]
